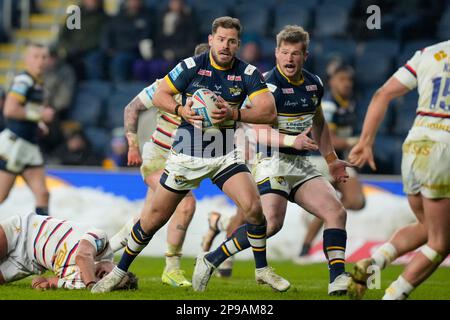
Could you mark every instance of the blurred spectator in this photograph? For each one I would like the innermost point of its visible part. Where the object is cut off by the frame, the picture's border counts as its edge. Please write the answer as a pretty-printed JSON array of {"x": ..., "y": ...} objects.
[
  {"x": 81, "y": 47},
  {"x": 251, "y": 53},
  {"x": 177, "y": 36},
  {"x": 75, "y": 151},
  {"x": 119, "y": 148},
  {"x": 123, "y": 36},
  {"x": 60, "y": 83},
  {"x": 339, "y": 107}
]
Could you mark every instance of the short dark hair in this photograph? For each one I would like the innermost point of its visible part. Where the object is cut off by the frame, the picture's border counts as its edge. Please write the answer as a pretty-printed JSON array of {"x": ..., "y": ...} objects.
[
  {"x": 129, "y": 282},
  {"x": 200, "y": 48},
  {"x": 227, "y": 23}
]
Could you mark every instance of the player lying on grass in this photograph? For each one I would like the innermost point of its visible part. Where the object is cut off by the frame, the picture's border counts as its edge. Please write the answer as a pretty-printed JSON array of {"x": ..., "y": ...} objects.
[{"x": 78, "y": 254}]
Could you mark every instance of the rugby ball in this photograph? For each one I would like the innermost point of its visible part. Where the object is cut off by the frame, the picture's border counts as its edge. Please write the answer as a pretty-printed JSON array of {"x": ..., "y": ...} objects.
[{"x": 204, "y": 102}]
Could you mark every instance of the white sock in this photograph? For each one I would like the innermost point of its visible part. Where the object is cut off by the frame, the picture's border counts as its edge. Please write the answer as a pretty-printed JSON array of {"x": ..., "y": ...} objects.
[
  {"x": 384, "y": 255},
  {"x": 223, "y": 222},
  {"x": 398, "y": 290},
  {"x": 119, "y": 240},
  {"x": 172, "y": 263},
  {"x": 119, "y": 272}
]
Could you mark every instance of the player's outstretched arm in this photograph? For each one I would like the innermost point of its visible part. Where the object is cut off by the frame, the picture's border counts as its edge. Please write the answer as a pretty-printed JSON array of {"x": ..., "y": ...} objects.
[
  {"x": 14, "y": 109},
  {"x": 131, "y": 118},
  {"x": 362, "y": 151},
  {"x": 86, "y": 263}
]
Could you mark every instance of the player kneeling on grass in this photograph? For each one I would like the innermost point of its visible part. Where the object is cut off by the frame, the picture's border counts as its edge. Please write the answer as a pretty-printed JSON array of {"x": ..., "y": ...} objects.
[{"x": 78, "y": 254}]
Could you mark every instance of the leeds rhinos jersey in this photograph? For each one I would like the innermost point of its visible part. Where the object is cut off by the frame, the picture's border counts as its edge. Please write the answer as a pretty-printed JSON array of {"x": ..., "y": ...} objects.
[
  {"x": 340, "y": 115},
  {"x": 166, "y": 123},
  {"x": 30, "y": 93},
  {"x": 52, "y": 245},
  {"x": 296, "y": 103},
  {"x": 429, "y": 71},
  {"x": 233, "y": 85}
]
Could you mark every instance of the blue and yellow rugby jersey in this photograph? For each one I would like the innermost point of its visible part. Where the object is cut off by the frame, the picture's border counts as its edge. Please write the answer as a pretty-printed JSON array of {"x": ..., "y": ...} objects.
[
  {"x": 30, "y": 92},
  {"x": 233, "y": 85},
  {"x": 296, "y": 104}
]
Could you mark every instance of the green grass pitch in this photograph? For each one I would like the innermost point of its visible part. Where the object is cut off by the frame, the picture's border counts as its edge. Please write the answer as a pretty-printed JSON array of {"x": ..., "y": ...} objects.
[{"x": 308, "y": 283}]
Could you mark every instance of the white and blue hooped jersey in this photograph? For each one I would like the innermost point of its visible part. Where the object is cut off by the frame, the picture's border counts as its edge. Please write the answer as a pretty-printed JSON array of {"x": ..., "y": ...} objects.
[{"x": 429, "y": 71}]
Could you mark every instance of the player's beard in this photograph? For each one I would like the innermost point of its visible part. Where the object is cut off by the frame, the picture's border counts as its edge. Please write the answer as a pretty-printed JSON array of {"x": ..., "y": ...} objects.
[{"x": 221, "y": 64}]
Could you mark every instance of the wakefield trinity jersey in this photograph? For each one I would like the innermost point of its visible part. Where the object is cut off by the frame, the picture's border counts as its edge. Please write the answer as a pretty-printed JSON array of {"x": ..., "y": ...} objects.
[
  {"x": 296, "y": 103},
  {"x": 233, "y": 85}
]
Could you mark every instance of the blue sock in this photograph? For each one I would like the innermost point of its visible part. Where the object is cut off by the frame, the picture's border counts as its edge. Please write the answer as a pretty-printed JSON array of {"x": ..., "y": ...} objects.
[
  {"x": 236, "y": 243},
  {"x": 334, "y": 242},
  {"x": 42, "y": 211},
  {"x": 257, "y": 235},
  {"x": 137, "y": 241}
]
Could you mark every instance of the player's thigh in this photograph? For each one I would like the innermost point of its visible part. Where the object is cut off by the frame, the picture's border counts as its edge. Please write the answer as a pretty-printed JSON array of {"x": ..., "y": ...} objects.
[
  {"x": 162, "y": 207},
  {"x": 7, "y": 180},
  {"x": 241, "y": 188},
  {"x": 152, "y": 179},
  {"x": 437, "y": 216},
  {"x": 274, "y": 209},
  {"x": 35, "y": 179},
  {"x": 318, "y": 197}
]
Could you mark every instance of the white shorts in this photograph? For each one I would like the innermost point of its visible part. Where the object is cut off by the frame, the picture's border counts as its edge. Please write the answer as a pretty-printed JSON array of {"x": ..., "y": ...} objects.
[
  {"x": 321, "y": 165},
  {"x": 17, "y": 265},
  {"x": 283, "y": 174},
  {"x": 184, "y": 173},
  {"x": 153, "y": 158},
  {"x": 426, "y": 168},
  {"x": 16, "y": 154}
]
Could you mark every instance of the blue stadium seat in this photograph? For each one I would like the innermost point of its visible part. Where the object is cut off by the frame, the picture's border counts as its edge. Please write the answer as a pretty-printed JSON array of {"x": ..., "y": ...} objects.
[
  {"x": 100, "y": 140},
  {"x": 130, "y": 89},
  {"x": 291, "y": 14},
  {"x": 372, "y": 69},
  {"x": 259, "y": 21},
  {"x": 443, "y": 29},
  {"x": 387, "y": 152},
  {"x": 268, "y": 46},
  {"x": 86, "y": 109},
  {"x": 387, "y": 47},
  {"x": 300, "y": 4},
  {"x": 102, "y": 89},
  {"x": 347, "y": 4},
  {"x": 206, "y": 15},
  {"x": 115, "y": 109},
  {"x": 331, "y": 20},
  {"x": 322, "y": 52}
]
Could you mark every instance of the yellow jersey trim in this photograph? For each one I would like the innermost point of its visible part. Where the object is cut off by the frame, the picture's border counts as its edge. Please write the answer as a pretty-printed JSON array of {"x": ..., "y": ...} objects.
[
  {"x": 172, "y": 87},
  {"x": 20, "y": 97},
  {"x": 216, "y": 66},
  {"x": 254, "y": 94},
  {"x": 295, "y": 83}
]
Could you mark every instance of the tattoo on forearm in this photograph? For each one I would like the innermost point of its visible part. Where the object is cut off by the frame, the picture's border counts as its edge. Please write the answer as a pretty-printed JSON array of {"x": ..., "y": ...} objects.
[
  {"x": 131, "y": 115},
  {"x": 181, "y": 227}
]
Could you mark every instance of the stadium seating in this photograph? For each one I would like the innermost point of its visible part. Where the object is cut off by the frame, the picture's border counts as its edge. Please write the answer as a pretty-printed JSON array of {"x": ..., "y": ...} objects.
[
  {"x": 87, "y": 109},
  {"x": 372, "y": 69},
  {"x": 260, "y": 17},
  {"x": 405, "y": 114},
  {"x": 291, "y": 14},
  {"x": 99, "y": 138},
  {"x": 331, "y": 20}
]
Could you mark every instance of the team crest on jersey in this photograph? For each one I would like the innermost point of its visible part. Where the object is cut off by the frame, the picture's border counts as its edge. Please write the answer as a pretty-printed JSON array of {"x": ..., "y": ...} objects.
[
  {"x": 180, "y": 179},
  {"x": 311, "y": 87},
  {"x": 204, "y": 72},
  {"x": 287, "y": 90},
  {"x": 281, "y": 181},
  {"x": 235, "y": 91}
]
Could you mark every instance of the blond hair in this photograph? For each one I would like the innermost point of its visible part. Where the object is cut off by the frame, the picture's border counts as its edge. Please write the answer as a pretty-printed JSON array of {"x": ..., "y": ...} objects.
[{"x": 293, "y": 34}]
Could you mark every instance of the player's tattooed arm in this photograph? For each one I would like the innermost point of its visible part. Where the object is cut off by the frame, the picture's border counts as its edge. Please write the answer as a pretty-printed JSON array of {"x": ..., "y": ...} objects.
[{"x": 131, "y": 117}]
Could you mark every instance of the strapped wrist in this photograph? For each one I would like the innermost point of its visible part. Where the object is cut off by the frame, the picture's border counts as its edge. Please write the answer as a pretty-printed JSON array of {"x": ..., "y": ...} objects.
[
  {"x": 177, "y": 107},
  {"x": 32, "y": 113},
  {"x": 288, "y": 140},
  {"x": 332, "y": 156}
]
